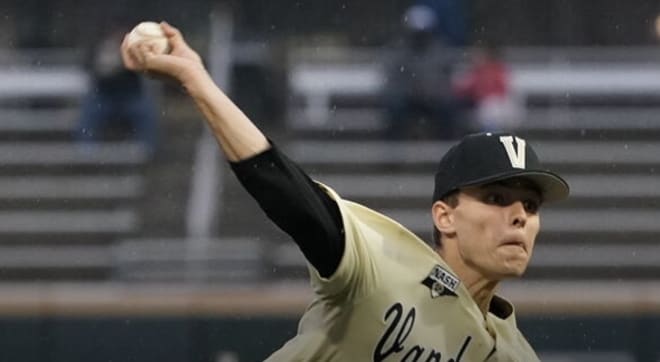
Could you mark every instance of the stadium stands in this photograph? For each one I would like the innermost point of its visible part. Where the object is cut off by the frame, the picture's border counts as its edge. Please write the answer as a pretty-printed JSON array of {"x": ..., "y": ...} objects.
[{"x": 62, "y": 205}]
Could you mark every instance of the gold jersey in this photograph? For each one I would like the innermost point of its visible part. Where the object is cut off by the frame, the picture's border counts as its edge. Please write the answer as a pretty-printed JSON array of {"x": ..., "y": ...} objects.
[{"x": 393, "y": 298}]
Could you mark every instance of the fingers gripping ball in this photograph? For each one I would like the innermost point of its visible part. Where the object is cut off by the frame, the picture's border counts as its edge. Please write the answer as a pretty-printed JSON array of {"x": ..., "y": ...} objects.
[{"x": 150, "y": 33}]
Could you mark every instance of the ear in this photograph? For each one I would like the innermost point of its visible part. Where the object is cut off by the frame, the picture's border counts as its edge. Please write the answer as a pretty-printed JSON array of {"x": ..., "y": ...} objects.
[{"x": 443, "y": 217}]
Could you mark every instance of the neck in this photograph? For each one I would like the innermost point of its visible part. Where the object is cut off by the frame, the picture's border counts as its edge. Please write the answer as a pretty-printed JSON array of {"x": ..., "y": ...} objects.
[
  {"x": 480, "y": 288},
  {"x": 482, "y": 291}
]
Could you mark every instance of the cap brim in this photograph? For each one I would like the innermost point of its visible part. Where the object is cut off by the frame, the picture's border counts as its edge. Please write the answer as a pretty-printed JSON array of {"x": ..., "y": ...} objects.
[{"x": 551, "y": 185}]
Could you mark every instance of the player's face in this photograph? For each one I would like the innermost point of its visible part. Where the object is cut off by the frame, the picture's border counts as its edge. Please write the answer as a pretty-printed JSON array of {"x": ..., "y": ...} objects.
[{"x": 496, "y": 225}]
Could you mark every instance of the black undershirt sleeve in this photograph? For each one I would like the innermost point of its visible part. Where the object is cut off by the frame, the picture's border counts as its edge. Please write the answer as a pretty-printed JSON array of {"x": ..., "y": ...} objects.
[{"x": 297, "y": 205}]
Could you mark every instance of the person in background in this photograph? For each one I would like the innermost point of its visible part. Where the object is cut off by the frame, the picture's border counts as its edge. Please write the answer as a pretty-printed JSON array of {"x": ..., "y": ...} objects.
[
  {"x": 418, "y": 95},
  {"x": 118, "y": 102},
  {"x": 485, "y": 88}
]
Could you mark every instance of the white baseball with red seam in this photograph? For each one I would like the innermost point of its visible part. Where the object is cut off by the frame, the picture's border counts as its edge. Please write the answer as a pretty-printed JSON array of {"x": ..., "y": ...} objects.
[{"x": 151, "y": 33}]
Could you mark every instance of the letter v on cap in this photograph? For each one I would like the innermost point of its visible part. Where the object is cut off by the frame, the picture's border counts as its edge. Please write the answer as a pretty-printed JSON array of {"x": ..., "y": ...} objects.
[{"x": 516, "y": 155}]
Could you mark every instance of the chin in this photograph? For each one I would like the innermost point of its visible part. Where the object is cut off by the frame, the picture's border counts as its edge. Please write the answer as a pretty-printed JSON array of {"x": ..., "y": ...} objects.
[
  {"x": 517, "y": 273},
  {"x": 513, "y": 271},
  {"x": 506, "y": 272}
]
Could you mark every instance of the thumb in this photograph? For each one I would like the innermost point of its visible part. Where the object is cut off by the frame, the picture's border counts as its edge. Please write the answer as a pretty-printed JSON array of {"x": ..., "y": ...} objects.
[{"x": 173, "y": 35}]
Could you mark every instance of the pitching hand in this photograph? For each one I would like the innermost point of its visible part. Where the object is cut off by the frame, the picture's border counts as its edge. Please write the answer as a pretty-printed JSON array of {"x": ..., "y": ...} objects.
[{"x": 181, "y": 63}]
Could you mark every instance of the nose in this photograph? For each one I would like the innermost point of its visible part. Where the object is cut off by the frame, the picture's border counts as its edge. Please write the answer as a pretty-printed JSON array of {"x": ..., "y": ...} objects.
[{"x": 518, "y": 214}]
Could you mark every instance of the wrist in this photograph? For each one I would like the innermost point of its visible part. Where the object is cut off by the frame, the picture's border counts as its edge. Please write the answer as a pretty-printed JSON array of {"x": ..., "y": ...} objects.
[{"x": 195, "y": 80}]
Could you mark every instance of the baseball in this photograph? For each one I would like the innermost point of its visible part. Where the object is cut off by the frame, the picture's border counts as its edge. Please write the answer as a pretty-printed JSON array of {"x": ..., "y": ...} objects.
[{"x": 150, "y": 32}]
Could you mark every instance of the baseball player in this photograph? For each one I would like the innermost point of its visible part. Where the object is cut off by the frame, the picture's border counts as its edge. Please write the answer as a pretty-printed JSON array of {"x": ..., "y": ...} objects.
[{"x": 381, "y": 293}]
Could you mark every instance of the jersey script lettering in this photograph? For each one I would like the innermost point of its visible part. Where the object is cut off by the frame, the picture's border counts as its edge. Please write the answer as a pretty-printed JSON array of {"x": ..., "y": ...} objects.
[{"x": 393, "y": 341}]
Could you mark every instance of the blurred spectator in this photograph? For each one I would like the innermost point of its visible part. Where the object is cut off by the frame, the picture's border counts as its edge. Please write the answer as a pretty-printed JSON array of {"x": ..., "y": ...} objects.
[
  {"x": 451, "y": 25},
  {"x": 118, "y": 103},
  {"x": 418, "y": 91},
  {"x": 485, "y": 88}
]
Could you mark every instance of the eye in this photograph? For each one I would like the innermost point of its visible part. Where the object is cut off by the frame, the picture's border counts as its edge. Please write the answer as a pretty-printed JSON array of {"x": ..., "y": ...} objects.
[
  {"x": 531, "y": 206},
  {"x": 495, "y": 198}
]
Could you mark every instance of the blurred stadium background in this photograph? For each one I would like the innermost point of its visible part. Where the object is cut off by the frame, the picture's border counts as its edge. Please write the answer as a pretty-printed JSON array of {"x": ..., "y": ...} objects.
[{"x": 116, "y": 256}]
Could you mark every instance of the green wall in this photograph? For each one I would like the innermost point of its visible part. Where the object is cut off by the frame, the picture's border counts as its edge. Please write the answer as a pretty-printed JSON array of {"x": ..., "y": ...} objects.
[{"x": 178, "y": 339}]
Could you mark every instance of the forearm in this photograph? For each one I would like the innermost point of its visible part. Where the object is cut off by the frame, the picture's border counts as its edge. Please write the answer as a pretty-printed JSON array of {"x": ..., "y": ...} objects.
[{"x": 238, "y": 137}]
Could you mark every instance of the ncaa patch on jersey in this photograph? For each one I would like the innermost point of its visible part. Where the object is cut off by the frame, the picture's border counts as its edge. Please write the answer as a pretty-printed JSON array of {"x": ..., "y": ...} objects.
[{"x": 441, "y": 282}]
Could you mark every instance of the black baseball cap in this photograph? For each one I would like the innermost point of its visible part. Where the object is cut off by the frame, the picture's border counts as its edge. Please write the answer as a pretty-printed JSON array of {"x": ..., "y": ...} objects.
[{"x": 492, "y": 156}]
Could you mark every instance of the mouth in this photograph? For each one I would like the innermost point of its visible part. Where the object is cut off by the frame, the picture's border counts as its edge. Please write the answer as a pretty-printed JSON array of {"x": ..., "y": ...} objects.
[{"x": 517, "y": 243}]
